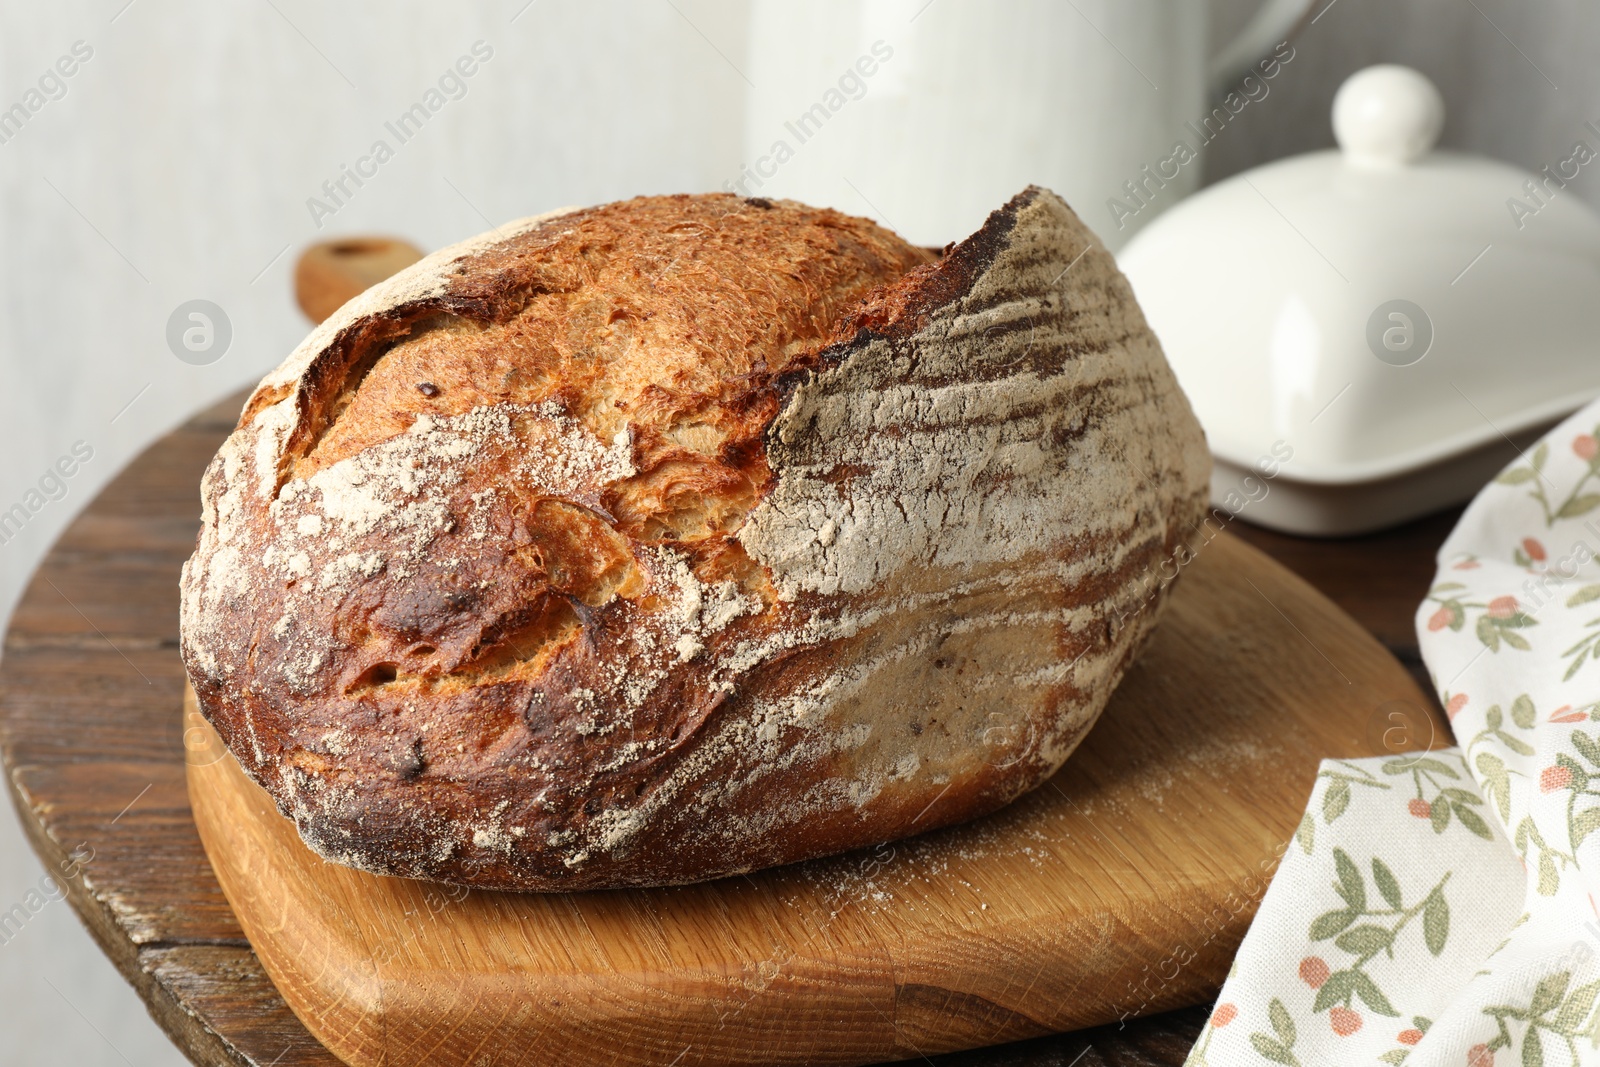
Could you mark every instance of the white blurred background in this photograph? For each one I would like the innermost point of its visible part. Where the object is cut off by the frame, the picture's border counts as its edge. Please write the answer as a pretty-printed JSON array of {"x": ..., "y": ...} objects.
[{"x": 178, "y": 162}]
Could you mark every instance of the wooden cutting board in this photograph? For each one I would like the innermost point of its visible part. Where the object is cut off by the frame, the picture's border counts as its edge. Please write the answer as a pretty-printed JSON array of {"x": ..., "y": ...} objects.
[{"x": 1121, "y": 887}]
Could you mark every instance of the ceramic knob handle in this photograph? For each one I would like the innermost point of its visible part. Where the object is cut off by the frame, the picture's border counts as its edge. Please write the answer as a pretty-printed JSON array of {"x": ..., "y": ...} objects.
[{"x": 1387, "y": 116}]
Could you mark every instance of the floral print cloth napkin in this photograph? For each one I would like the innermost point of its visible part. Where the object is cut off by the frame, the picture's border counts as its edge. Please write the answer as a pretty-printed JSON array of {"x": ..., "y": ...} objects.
[{"x": 1439, "y": 908}]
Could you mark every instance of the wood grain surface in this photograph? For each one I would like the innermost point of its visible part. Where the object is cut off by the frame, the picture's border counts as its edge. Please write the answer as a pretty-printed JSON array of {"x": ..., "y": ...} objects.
[{"x": 95, "y": 759}]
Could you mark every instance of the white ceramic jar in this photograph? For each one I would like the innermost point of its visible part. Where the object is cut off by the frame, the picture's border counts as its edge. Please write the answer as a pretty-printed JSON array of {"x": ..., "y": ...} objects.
[{"x": 928, "y": 114}]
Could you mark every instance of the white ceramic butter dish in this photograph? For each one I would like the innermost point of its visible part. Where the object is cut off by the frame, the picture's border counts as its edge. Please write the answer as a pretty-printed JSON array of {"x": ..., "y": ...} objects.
[{"x": 1367, "y": 334}]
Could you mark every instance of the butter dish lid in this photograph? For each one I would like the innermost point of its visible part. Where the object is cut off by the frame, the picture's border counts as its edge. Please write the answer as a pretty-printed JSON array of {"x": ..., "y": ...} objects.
[{"x": 1380, "y": 307}]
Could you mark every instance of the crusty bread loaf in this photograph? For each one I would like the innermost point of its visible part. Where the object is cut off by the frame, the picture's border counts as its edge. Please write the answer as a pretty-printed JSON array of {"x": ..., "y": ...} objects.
[{"x": 688, "y": 535}]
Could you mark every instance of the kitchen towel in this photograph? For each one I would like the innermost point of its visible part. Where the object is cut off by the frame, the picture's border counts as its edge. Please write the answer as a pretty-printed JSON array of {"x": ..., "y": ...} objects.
[{"x": 1439, "y": 908}]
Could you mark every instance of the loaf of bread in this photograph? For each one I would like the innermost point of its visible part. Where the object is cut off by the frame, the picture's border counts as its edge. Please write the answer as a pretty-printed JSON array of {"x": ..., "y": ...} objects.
[{"x": 684, "y": 536}]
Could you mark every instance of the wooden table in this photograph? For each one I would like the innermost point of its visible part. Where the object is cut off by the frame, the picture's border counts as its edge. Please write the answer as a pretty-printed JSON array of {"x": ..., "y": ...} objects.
[{"x": 92, "y": 742}]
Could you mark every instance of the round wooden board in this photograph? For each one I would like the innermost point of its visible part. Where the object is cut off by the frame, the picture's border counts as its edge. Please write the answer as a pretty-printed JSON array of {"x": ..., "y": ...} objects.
[{"x": 95, "y": 757}]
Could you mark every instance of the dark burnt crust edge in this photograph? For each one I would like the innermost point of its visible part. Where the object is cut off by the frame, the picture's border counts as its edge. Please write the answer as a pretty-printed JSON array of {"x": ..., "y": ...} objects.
[
  {"x": 899, "y": 310},
  {"x": 896, "y": 312},
  {"x": 485, "y": 296}
]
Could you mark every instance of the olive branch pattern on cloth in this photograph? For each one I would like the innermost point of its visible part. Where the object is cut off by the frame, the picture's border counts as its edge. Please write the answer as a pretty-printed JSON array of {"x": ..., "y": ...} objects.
[
  {"x": 1552, "y": 1015},
  {"x": 1499, "y": 622},
  {"x": 1336, "y": 990},
  {"x": 1342, "y": 940},
  {"x": 1439, "y": 908},
  {"x": 1585, "y": 648},
  {"x": 1586, "y": 446},
  {"x": 1343, "y": 778},
  {"x": 1436, "y": 801}
]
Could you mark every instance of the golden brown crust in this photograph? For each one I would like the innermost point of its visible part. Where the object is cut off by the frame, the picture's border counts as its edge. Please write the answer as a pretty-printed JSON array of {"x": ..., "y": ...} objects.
[{"x": 498, "y": 580}]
